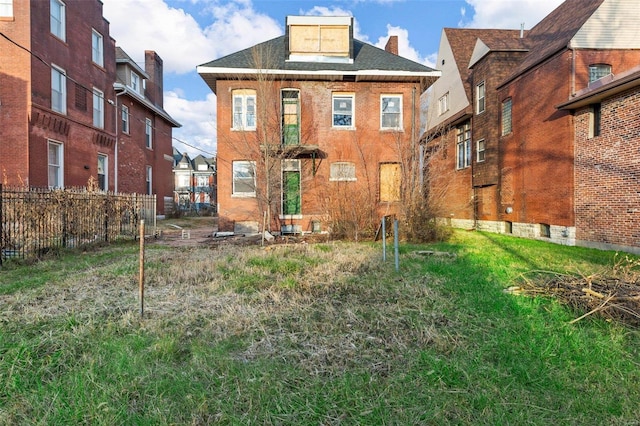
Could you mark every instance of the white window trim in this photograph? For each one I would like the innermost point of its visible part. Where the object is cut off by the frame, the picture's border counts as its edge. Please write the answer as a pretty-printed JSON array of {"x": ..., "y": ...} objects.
[
  {"x": 443, "y": 104},
  {"x": 97, "y": 48},
  {"x": 63, "y": 18},
  {"x": 244, "y": 96},
  {"x": 98, "y": 108},
  {"x": 335, "y": 167},
  {"x": 479, "y": 151},
  {"x": 6, "y": 8},
  {"x": 106, "y": 171},
  {"x": 382, "y": 113},
  {"x": 125, "y": 118},
  {"x": 59, "y": 166},
  {"x": 135, "y": 82},
  {"x": 351, "y": 96},
  {"x": 465, "y": 144},
  {"x": 62, "y": 75},
  {"x": 149, "y": 180},
  {"x": 235, "y": 194},
  {"x": 482, "y": 98},
  {"x": 148, "y": 133}
]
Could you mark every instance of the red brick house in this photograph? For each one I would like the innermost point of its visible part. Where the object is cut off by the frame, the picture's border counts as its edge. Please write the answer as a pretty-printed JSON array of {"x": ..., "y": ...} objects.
[
  {"x": 195, "y": 180},
  {"x": 502, "y": 157},
  {"x": 315, "y": 128},
  {"x": 144, "y": 131},
  {"x": 71, "y": 110},
  {"x": 57, "y": 68}
]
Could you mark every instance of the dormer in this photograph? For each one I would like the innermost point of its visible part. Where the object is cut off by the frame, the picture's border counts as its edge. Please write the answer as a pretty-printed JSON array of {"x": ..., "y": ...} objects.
[
  {"x": 129, "y": 73},
  {"x": 319, "y": 39}
]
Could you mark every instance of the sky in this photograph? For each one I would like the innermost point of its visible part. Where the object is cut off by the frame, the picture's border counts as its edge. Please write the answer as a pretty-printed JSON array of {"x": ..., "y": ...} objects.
[{"x": 188, "y": 33}]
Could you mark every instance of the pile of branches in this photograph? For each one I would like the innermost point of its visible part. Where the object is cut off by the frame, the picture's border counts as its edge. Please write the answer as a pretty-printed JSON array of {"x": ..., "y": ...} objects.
[{"x": 613, "y": 294}]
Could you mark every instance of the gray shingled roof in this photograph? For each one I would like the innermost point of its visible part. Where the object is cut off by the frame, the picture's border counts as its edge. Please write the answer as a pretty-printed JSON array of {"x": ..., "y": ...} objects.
[{"x": 369, "y": 62}]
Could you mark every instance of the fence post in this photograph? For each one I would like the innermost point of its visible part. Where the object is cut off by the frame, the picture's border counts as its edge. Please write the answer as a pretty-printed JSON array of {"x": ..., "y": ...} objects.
[
  {"x": 395, "y": 244},
  {"x": 1, "y": 226},
  {"x": 141, "y": 283},
  {"x": 384, "y": 238}
]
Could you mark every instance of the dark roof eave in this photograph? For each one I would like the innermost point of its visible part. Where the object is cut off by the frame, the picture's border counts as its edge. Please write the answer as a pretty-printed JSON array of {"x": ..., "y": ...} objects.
[
  {"x": 602, "y": 92},
  {"x": 126, "y": 90}
]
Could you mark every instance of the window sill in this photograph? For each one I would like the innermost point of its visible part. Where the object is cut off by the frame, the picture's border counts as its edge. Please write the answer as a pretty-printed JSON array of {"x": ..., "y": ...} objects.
[
  {"x": 290, "y": 216},
  {"x": 247, "y": 195},
  {"x": 392, "y": 129},
  {"x": 248, "y": 129},
  {"x": 343, "y": 127}
]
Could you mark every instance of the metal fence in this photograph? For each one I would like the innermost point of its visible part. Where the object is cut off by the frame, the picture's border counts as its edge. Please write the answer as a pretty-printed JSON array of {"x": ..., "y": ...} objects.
[{"x": 36, "y": 221}]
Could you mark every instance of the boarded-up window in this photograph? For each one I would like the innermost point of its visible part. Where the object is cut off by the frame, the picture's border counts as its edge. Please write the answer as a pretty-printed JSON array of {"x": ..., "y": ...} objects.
[
  {"x": 290, "y": 117},
  {"x": 389, "y": 182}
]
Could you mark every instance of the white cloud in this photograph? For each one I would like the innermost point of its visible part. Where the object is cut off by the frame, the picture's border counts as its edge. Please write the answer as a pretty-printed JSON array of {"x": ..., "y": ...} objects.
[
  {"x": 198, "y": 119},
  {"x": 405, "y": 49},
  {"x": 509, "y": 14}
]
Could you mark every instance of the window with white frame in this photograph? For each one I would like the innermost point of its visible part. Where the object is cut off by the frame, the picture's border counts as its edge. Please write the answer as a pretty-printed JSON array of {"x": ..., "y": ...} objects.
[
  {"x": 391, "y": 112},
  {"x": 55, "y": 154},
  {"x": 480, "y": 151},
  {"x": 443, "y": 104},
  {"x": 506, "y": 117},
  {"x": 6, "y": 8},
  {"x": 149, "y": 175},
  {"x": 58, "y": 90},
  {"x": 291, "y": 189},
  {"x": 480, "y": 98},
  {"x": 97, "y": 55},
  {"x": 463, "y": 145},
  {"x": 58, "y": 19},
  {"x": 125, "y": 119},
  {"x": 148, "y": 133},
  {"x": 244, "y": 178},
  {"x": 244, "y": 109},
  {"x": 103, "y": 181},
  {"x": 343, "y": 110},
  {"x": 135, "y": 82},
  {"x": 597, "y": 71},
  {"x": 342, "y": 171},
  {"x": 98, "y": 108}
]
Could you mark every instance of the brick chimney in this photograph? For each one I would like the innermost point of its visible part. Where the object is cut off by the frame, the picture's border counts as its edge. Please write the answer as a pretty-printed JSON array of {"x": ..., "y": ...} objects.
[
  {"x": 153, "y": 67},
  {"x": 392, "y": 45}
]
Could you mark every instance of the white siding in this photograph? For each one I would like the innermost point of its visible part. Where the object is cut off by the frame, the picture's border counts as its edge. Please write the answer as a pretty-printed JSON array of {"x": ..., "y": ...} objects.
[{"x": 613, "y": 26}]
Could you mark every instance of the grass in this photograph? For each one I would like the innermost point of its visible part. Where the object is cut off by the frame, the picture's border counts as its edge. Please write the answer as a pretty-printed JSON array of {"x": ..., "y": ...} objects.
[{"x": 310, "y": 334}]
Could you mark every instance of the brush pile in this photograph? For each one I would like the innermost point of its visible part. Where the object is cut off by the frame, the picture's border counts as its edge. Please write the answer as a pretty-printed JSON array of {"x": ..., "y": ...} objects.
[{"x": 613, "y": 294}]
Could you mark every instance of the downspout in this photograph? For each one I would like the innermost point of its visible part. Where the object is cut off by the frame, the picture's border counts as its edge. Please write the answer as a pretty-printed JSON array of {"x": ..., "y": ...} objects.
[{"x": 115, "y": 154}]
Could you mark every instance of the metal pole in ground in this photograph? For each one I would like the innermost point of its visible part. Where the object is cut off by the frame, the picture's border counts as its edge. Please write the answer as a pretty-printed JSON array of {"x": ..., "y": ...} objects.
[
  {"x": 141, "y": 283},
  {"x": 384, "y": 239},
  {"x": 395, "y": 244}
]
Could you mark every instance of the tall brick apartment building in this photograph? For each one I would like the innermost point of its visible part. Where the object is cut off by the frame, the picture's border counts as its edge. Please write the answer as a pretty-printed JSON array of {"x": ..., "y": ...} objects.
[
  {"x": 502, "y": 155},
  {"x": 312, "y": 125},
  {"x": 60, "y": 116}
]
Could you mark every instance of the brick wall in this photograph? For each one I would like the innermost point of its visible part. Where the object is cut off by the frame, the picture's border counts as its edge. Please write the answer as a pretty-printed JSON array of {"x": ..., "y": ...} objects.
[
  {"x": 607, "y": 173},
  {"x": 366, "y": 145}
]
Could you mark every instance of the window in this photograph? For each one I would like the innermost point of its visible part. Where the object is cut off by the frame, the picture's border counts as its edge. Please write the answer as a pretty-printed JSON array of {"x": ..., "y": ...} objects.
[
  {"x": 149, "y": 180},
  {"x": 148, "y": 133},
  {"x": 135, "y": 82},
  {"x": 391, "y": 112},
  {"x": 55, "y": 161},
  {"x": 342, "y": 171},
  {"x": 463, "y": 146},
  {"x": 125, "y": 119},
  {"x": 506, "y": 117},
  {"x": 343, "y": 110},
  {"x": 545, "y": 230},
  {"x": 480, "y": 151},
  {"x": 98, "y": 108},
  {"x": 290, "y": 117},
  {"x": 291, "y": 204},
  {"x": 244, "y": 110},
  {"x": 6, "y": 8},
  {"x": 57, "y": 12},
  {"x": 480, "y": 96},
  {"x": 389, "y": 182},
  {"x": 103, "y": 182},
  {"x": 244, "y": 178},
  {"x": 58, "y": 90},
  {"x": 595, "y": 120},
  {"x": 597, "y": 71},
  {"x": 443, "y": 104},
  {"x": 96, "y": 48}
]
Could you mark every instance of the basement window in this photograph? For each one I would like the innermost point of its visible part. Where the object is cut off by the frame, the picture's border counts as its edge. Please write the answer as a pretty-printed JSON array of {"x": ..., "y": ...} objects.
[{"x": 545, "y": 230}]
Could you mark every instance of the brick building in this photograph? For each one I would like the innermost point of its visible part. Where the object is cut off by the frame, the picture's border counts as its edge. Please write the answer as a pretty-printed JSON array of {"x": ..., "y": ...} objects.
[
  {"x": 57, "y": 69},
  {"x": 314, "y": 126},
  {"x": 195, "y": 182},
  {"x": 62, "y": 104},
  {"x": 501, "y": 154},
  {"x": 144, "y": 131}
]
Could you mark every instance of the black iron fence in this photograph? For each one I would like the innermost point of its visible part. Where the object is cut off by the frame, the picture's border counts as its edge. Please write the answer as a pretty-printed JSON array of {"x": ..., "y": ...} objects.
[{"x": 36, "y": 221}]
